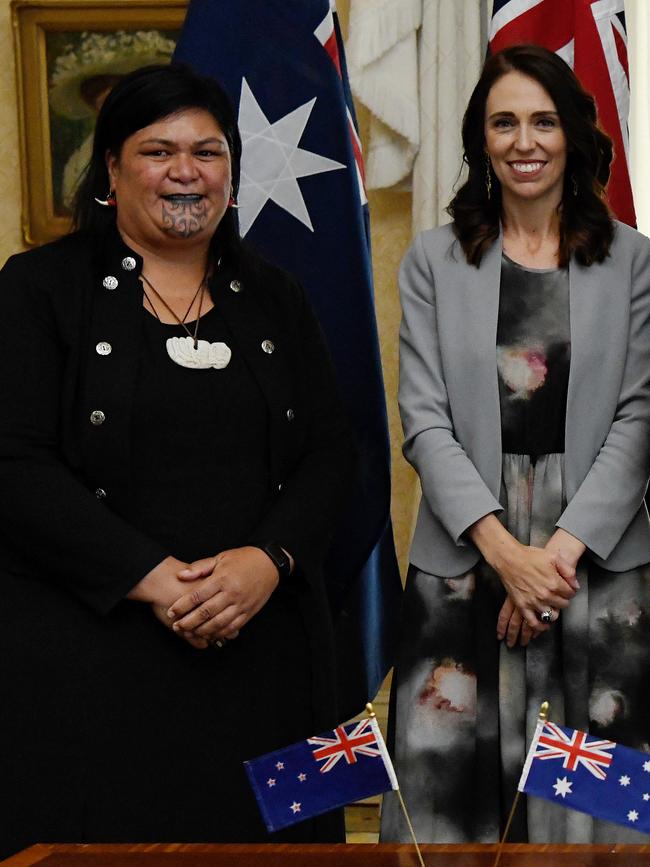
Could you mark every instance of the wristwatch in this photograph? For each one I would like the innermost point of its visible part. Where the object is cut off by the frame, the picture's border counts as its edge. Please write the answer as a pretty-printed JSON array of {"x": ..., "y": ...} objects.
[{"x": 280, "y": 559}]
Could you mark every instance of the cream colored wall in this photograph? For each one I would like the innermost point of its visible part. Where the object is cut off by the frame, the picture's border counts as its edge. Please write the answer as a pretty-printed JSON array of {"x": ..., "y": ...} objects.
[
  {"x": 391, "y": 218},
  {"x": 10, "y": 196}
]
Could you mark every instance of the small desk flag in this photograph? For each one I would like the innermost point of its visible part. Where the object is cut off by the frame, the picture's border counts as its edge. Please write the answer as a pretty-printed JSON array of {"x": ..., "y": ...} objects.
[
  {"x": 598, "y": 777},
  {"x": 321, "y": 773}
]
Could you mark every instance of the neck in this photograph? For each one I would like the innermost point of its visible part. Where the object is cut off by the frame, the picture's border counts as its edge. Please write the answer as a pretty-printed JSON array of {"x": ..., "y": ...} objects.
[
  {"x": 179, "y": 261},
  {"x": 531, "y": 222}
]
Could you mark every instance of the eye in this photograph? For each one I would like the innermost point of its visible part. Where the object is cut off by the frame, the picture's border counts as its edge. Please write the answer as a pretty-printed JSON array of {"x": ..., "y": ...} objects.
[
  {"x": 156, "y": 152},
  {"x": 547, "y": 122},
  {"x": 502, "y": 123}
]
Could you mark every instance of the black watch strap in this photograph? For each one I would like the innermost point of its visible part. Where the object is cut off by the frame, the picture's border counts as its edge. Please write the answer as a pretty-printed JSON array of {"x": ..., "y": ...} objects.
[{"x": 281, "y": 560}]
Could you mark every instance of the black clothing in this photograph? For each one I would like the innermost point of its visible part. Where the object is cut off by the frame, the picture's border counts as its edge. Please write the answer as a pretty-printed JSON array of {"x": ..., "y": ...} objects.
[
  {"x": 533, "y": 356},
  {"x": 111, "y": 727}
]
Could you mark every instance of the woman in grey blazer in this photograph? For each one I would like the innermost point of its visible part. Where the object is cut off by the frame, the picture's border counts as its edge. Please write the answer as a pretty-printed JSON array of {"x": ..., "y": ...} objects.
[{"x": 525, "y": 400}]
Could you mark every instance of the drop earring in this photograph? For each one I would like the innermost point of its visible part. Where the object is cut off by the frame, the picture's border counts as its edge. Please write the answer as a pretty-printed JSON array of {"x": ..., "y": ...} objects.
[
  {"x": 232, "y": 201},
  {"x": 488, "y": 177},
  {"x": 109, "y": 202}
]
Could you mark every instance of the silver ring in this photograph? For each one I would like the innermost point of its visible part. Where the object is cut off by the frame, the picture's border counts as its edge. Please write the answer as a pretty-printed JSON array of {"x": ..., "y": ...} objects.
[
  {"x": 547, "y": 616},
  {"x": 218, "y": 642}
]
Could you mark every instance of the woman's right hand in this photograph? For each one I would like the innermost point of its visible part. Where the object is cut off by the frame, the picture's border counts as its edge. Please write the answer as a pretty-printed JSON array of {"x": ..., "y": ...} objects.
[{"x": 531, "y": 576}]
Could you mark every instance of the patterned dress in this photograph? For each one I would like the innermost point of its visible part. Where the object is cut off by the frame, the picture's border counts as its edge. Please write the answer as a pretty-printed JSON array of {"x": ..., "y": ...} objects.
[{"x": 464, "y": 705}]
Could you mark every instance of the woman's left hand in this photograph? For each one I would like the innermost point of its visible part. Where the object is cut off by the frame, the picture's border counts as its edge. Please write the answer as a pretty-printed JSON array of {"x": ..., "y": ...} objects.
[{"x": 237, "y": 584}]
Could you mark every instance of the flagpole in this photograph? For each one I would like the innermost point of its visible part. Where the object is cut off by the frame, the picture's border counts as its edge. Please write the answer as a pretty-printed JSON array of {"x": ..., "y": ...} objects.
[
  {"x": 372, "y": 715},
  {"x": 543, "y": 714}
]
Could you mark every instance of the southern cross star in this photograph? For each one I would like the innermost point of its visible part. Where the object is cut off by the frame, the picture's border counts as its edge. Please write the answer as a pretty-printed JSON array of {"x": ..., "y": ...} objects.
[
  {"x": 562, "y": 787},
  {"x": 633, "y": 815},
  {"x": 272, "y": 162},
  {"x": 295, "y": 808},
  {"x": 646, "y": 767},
  {"x": 624, "y": 780}
]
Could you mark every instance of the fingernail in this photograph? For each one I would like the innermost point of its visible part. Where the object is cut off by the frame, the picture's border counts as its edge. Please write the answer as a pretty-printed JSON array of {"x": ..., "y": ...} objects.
[
  {"x": 176, "y": 627},
  {"x": 170, "y": 614}
]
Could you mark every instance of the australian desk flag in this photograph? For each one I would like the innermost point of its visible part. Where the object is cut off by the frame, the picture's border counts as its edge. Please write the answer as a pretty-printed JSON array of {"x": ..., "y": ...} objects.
[
  {"x": 595, "y": 776},
  {"x": 302, "y": 204},
  {"x": 321, "y": 773}
]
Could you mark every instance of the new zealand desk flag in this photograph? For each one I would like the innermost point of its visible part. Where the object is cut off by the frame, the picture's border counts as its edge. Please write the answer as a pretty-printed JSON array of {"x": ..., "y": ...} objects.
[
  {"x": 302, "y": 204},
  {"x": 321, "y": 773},
  {"x": 595, "y": 776}
]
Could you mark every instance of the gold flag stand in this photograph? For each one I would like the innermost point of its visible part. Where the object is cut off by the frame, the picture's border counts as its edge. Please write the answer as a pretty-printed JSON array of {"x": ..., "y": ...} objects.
[
  {"x": 543, "y": 714},
  {"x": 371, "y": 713}
]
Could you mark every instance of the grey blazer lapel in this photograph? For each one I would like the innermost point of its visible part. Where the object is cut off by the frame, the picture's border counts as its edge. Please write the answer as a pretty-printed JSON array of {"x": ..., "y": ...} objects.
[{"x": 471, "y": 373}]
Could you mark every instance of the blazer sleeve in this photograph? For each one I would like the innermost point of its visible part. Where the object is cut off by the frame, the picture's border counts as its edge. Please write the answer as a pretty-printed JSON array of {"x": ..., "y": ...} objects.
[
  {"x": 48, "y": 516},
  {"x": 306, "y": 511},
  {"x": 451, "y": 484},
  {"x": 612, "y": 492}
]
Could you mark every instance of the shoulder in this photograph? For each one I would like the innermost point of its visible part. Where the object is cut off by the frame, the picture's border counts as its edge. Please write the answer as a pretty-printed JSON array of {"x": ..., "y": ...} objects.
[
  {"x": 628, "y": 242},
  {"x": 438, "y": 246},
  {"x": 48, "y": 259},
  {"x": 272, "y": 287}
]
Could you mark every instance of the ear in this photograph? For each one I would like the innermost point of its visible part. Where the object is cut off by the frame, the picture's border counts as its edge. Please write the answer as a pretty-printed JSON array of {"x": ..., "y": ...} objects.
[{"x": 112, "y": 167}]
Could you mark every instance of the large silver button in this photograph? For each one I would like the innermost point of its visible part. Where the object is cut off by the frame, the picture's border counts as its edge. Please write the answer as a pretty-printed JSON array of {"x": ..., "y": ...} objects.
[
  {"x": 97, "y": 417},
  {"x": 103, "y": 348},
  {"x": 235, "y": 285},
  {"x": 268, "y": 346},
  {"x": 128, "y": 263},
  {"x": 290, "y": 415},
  {"x": 100, "y": 493},
  {"x": 110, "y": 282}
]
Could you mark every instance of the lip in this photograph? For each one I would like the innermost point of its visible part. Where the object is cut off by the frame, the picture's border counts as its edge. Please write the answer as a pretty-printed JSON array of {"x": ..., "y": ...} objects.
[
  {"x": 528, "y": 174},
  {"x": 183, "y": 198}
]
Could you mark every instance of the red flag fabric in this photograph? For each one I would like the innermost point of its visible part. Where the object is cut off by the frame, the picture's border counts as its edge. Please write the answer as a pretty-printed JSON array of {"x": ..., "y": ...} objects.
[{"x": 590, "y": 35}]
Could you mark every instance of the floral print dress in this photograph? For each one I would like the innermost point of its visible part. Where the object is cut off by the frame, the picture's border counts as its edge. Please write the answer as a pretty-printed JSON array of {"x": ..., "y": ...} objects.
[{"x": 464, "y": 705}]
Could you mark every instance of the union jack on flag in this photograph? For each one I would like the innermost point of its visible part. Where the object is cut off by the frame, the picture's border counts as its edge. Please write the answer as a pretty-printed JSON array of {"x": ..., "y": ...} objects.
[
  {"x": 590, "y": 35},
  {"x": 362, "y": 740},
  {"x": 586, "y": 773},
  {"x": 322, "y": 773}
]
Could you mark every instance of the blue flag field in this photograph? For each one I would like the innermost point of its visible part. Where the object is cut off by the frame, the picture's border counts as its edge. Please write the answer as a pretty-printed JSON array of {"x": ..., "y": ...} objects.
[
  {"x": 321, "y": 773},
  {"x": 302, "y": 204},
  {"x": 598, "y": 777}
]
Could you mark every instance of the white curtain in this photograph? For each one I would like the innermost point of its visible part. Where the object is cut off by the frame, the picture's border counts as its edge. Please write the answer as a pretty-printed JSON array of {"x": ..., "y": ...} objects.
[
  {"x": 414, "y": 63},
  {"x": 637, "y": 15}
]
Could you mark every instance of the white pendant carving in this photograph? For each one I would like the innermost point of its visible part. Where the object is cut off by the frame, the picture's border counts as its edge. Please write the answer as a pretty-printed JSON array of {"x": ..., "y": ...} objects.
[{"x": 181, "y": 350}]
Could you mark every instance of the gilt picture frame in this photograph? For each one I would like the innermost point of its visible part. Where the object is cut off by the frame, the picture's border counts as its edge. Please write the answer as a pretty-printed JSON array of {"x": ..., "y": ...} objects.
[{"x": 68, "y": 55}]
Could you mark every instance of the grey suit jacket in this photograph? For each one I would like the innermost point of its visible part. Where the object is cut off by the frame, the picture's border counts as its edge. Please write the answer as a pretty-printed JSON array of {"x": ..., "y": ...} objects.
[{"x": 449, "y": 399}]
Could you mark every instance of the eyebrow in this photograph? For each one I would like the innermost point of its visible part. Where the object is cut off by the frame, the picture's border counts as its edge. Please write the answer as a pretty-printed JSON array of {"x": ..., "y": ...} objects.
[
  {"x": 170, "y": 143},
  {"x": 534, "y": 114}
]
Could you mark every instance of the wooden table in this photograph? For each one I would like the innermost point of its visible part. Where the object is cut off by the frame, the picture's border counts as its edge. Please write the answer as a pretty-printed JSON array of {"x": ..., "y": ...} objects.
[{"x": 351, "y": 855}]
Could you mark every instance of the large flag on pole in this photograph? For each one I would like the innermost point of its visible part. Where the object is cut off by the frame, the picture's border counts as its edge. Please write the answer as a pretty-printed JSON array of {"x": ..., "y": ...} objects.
[
  {"x": 302, "y": 204},
  {"x": 590, "y": 35}
]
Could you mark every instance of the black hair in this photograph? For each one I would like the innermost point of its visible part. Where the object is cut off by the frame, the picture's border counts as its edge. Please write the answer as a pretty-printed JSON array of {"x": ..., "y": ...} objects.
[{"x": 139, "y": 99}]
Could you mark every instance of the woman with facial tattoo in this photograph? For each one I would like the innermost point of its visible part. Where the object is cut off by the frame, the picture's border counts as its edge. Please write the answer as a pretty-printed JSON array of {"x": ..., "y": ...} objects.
[{"x": 173, "y": 456}]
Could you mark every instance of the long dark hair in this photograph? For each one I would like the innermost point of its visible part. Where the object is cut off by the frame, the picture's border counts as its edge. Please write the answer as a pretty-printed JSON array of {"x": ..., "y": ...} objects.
[
  {"x": 138, "y": 100},
  {"x": 586, "y": 227}
]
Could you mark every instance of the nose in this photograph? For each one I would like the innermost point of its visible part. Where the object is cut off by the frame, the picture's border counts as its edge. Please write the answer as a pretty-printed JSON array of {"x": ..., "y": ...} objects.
[
  {"x": 183, "y": 168},
  {"x": 525, "y": 138}
]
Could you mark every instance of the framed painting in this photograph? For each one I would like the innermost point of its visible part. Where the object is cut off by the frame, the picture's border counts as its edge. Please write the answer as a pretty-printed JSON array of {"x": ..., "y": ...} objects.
[{"x": 68, "y": 56}]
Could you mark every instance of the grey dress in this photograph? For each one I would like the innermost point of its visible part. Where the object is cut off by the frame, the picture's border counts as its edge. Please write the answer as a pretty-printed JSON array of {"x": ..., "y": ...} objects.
[{"x": 464, "y": 706}]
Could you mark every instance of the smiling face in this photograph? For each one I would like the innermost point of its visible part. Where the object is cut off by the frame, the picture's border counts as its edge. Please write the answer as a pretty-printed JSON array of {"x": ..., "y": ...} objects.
[
  {"x": 525, "y": 141},
  {"x": 172, "y": 181}
]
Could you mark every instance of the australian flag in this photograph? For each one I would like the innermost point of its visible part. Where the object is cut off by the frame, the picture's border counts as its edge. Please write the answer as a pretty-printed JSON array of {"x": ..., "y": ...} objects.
[
  {"x": 595, "y": 776},
  {"x": 321, "y": 773},
  {"x": 302, "y": 204}
]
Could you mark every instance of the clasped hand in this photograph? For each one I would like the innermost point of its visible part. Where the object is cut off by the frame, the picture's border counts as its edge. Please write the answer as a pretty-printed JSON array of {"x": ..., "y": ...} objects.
[
  {"x": 535, "y": 579},
  {"x": 210, "y": 599}
]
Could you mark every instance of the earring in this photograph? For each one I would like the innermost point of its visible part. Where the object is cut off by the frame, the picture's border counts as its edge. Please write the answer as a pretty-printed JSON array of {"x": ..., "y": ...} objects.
[
  {"x": 109, "y": 202},
  {"x": 232, "y": 202},
  {"x": 488, "y": 177},
  {"x": 575, "y": 185}
]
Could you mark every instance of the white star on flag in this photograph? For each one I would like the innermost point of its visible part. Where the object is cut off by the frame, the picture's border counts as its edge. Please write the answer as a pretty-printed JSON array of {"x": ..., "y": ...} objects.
[
  {"x": 302, "y": 777},
  {"x": 633, "y": 815},
  {"x": 272, "y": 162},
  {"x": 270, "y": 782},
  {"x": 624, "y": 780},
  {"x": 295, "y": 808},
  {"x": 646, "y": 796},
  {"x": 646, "y": 767},
  {"x": 279, "y": 766},
  {"x": 562, "y": 787}
]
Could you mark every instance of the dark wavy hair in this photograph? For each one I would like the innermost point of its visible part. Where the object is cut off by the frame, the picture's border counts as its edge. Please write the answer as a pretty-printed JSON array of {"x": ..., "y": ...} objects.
[
  {"x": 586, "y": 226},
  {"x": 139, "y": 99}
]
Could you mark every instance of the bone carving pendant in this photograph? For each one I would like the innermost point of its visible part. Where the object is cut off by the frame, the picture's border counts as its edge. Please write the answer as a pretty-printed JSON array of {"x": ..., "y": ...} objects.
[{"x": 181, "y": 350}]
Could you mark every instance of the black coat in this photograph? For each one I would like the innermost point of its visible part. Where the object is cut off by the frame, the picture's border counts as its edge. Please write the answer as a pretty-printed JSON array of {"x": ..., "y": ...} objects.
[{"x": 99, "y": 700}]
